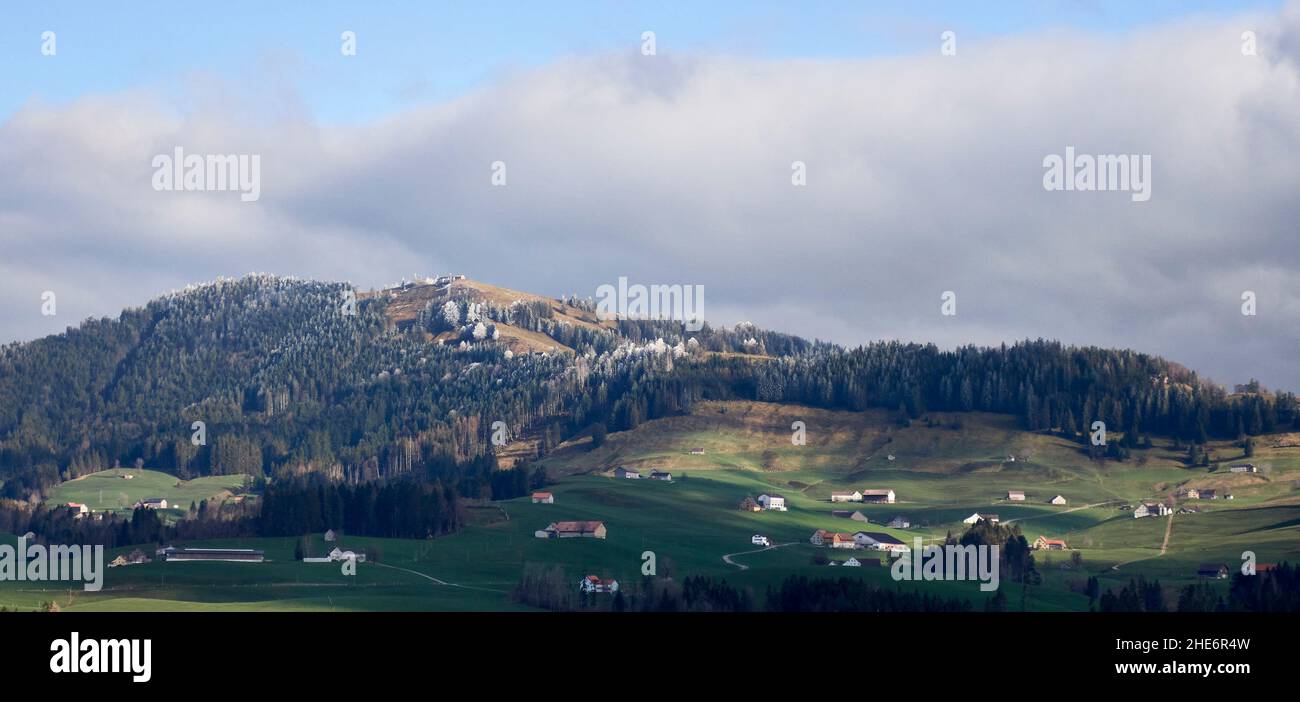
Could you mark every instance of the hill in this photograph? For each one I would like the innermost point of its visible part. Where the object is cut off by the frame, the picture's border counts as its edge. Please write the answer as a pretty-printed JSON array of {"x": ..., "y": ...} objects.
[{"x": 112, "y": 490}]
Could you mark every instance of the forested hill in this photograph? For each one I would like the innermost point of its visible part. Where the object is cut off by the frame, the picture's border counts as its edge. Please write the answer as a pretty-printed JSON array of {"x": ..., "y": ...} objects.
[{"x": 293, "y": 377}]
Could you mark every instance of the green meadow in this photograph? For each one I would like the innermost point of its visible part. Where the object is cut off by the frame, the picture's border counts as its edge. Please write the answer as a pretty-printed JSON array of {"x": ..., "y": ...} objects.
[
  {"x": 941, "y": 474},
  {"x": 111, "y": 490}
]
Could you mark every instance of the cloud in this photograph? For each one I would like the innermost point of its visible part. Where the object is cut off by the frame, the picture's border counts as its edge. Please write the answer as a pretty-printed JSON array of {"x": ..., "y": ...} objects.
[{"x": 924, "y": 175}]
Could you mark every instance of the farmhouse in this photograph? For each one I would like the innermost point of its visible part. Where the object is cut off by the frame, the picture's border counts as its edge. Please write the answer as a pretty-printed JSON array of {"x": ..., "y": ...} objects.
[
  {"x": 977, "y": 518},
  {"x": 1058, "y": 500},
  {"x": 1016, "y": 495},
  {"x": 854, "y": 496},
  {"x": 570, "y": 530},
  {"x": 621, "y": 472},
  {"x": 1209, "y": 495},
  {"x": 1215, "y": 572},
  {"x": 77, "y": 509},
  {"x": 152, "y": 503},
  {"x": 899, "y": 523},
  {"x": 878, "y": 495},
  {"x": 1042, "y": 543},
  {"x": 347, "y": 554},
  {"x": 246, "y": 555},
  {"x": 1151, "y": 509},
  {"x": 661, "y": 475},
  {"x": 697, "y": 451},
  {"x": 772, "y": 502},
  {"x": 543, "y": 498},
  {"x": 1243, "y": 468},
  {"x": 853, "y": 514},
  {"x": 1191, "y": 493},
  {"x": 879, "y": 542},
  {"x": 749, "y": 505},
  {"x": 593, "y": 583}
]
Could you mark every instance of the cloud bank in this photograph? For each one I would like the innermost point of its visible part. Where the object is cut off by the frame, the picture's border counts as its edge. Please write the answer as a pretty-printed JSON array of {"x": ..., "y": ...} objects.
[{"x": 924, "y": 175}]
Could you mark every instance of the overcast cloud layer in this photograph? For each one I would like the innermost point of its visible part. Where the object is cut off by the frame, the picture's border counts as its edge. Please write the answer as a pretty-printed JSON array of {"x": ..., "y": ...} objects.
[{"x": 924, "y": 174}]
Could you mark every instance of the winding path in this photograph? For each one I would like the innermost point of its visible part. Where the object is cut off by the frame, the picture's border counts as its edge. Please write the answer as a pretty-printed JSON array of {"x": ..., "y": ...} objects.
[
  {"x": 1164, "y": 545},
  {"x": 435, "y": 580},
  {"x": 727, "y": 558}
]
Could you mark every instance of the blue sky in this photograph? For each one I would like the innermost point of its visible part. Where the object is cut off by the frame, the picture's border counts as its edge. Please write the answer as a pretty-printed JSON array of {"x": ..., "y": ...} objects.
[{"x": 412, "y": 53}]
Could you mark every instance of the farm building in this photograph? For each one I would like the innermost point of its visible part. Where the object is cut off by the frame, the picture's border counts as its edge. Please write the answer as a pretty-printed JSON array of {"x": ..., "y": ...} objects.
[
  {"x": 1191, "y": 493},
  {"x": 1243, "y": 468},
  {"x": 852, "y": 563},
  {"x": 244, "y": 555},
  {"x": 878, "y": 495},
  {"x": 772, "y": 502},
  {"x": 1016, "y": 495},
  {"x": 1151, "y": 509},
  {"x": 1058, "y": 500},
  {"x": 593, "y": 583},
  {"x": 661, "y": 475},
  {"x": 853, "y": 514},
  {"x": 854, "y": 496},
  {"x": 1212, "y": 571},
  {"x": 977, "y": 518},
  {"x": 1209, "y": 495},
  {"x": 879, "y": 542},
  {"x": 1042, "y": 543},
  {"x": 621, "y": 472},
  {"x": 570, "y": 530},
  {"x": 749, "y": 505},
  {"x": 77, "y": 509},
  {"x": 543, "y": 498},
  {"x": 697, "y": 451},
  {"x": 899, "y": 523},
  {"x": 152, "y": 503}
]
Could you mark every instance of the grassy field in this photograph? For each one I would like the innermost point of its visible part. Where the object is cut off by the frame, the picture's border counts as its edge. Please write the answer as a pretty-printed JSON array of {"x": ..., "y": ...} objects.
[
  {"x": 109, "y": 490},
  {"x": 940, "y": 473}
]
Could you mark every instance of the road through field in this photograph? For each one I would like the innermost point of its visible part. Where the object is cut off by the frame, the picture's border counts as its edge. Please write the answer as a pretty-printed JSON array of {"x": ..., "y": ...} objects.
[
  {"x": 435, "y": 580},
  {"x": 727, "y": 558},
  {"x": 1064, "y": 511},
  {"x": 1164, "y": 545}
]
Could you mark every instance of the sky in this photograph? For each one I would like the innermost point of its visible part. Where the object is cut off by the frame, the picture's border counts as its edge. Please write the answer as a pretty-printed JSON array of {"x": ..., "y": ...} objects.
[{"x": 923, "y": 161}]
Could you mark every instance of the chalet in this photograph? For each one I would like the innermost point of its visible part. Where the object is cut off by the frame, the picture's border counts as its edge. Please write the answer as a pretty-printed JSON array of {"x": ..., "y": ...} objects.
[
  {"x": 899, "y": 523},
  {"x": 854, "y": 496},
  {"x": 1243, "y": 468},
  {"x": 347, "y": 554},
  {"x": 571, "y": 530},
  {"x": 661, "y": 475},
  {"x": 1212, "y": 571},
  {"x": 1151, "y": 509},
  {"x": 881, "y": 495},
  {"x": 772, "y": 502},
  {"x": 152, "y": 503},
  {"x": 77, "y": 509},
  {"x": 330, "y": 535},
  {"x": 977, "y": 518},
  {"x": 245, "y": 555},
  {"x": 543, "y": 498},
  {"x": 621, "y": 472},
  {"x": 879, "y": 542},
  {"x": 697, "y": 451},
  {"x": 750, "y": 505},
  {"x": 1042, "y": 543},
  {"x": 593, "y": 583},
  {"x": 1058, "y": 500},
  {"x": 1016, "y": 495}
]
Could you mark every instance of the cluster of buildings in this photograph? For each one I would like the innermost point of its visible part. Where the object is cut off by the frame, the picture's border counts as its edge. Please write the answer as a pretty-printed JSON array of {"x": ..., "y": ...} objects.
[
  {"x": 1203, "y": 494},
  {"x": 873, "y": 540},
  {"x": 881, "y": 495},
  {"x": 1152, "y": 509},
  {"x": 152, "y": 503},
  {"x": 596, "y": 584},
  {"x": 630, "y": 474},
  {"x": 770, "y": 501}
]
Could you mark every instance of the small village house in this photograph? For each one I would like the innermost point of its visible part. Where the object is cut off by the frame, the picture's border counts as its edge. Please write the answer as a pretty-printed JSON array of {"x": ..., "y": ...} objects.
[
  {"x": 1016, "y": 495},
  {"x": 1191, "y": 493},
  {"x": 571, "y": 530},
  {"x": 772, "y": 501},
  {"x": 661, "y": 475},
  {"x": 621, "y": 472},
  {"x": 330, "y": 535},
  {"x": 878, "y": 541},
  {"x": 543, "y": 498},
  {"x": 77, "y": 509},
  {"x": 853, "y": 514},
  {"x": 899, "y": 522},
  {"x": 152, "y": 503},
  {"x": 1058, "y": 500},
  {"x": 1209, "y": 494},
  {"x": 977, "y": 518},
  {"x": 1151, "y": 509},
  {"x": 1243, "y": 468},
  {"x": 1042, "y": 543},
  {"x": 854, "y": 496},
  {"x": 595, "y": 584},
  {"x": 883, "y": 495}
]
